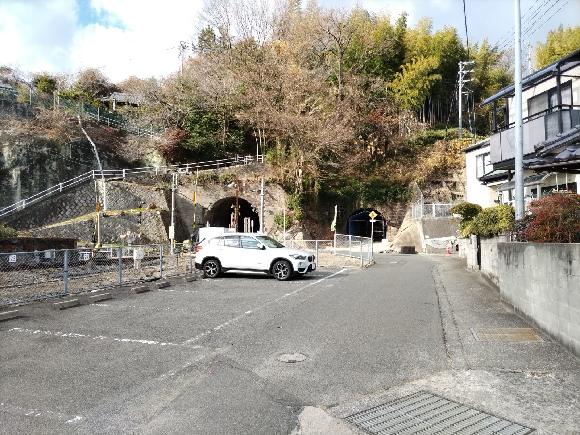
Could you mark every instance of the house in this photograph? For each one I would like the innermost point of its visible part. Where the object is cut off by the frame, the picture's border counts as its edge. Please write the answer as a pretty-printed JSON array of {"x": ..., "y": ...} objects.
[
  {"x": 477, "y": 166},
  {"x": 122, "y": 99},
  {"x": 551, "y": 134}
]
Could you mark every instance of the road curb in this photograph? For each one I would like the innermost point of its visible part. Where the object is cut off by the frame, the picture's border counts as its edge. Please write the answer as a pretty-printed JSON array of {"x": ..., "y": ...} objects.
[
  {"x": 9, "y": 315},
  {"x": 140, "y": 289},
  {"x": 63, "y": 305}
]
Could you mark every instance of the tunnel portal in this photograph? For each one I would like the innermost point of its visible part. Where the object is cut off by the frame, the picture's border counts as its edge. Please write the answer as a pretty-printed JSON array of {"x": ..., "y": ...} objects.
[
  {"x": 221, "y": 214},
  {"x": 359, "y": 224}
]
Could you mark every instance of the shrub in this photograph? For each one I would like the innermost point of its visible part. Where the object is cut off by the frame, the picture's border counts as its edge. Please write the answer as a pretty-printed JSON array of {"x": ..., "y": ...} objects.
[
  {"x": 7, "y": 232},
  {"x": 468, "y": 211},
  {"x": 554, "y": 219},
  {"x": 492, "y": 221}
]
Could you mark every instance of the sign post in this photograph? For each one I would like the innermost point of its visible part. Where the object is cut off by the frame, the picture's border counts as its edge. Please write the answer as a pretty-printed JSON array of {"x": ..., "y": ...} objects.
[{"x": 372, "y": 215}]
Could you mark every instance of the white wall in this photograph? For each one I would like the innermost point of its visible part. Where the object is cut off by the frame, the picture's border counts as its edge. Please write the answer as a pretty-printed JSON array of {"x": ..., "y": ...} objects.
[{"x": 475, "y": 192}]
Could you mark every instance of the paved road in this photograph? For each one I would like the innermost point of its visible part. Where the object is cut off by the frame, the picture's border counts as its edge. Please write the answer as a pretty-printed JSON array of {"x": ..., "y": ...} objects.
[{"x": 202, "y": 357}]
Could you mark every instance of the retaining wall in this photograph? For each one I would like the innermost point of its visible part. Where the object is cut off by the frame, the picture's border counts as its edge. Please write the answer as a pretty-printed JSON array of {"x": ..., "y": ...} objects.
[{"x": 542, "y": 280}]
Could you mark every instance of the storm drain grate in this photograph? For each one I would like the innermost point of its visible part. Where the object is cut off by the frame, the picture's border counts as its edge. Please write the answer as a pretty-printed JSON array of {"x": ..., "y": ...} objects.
[
  {"x": 427, "y": 413},
  {"x": 509, "y": 335}
]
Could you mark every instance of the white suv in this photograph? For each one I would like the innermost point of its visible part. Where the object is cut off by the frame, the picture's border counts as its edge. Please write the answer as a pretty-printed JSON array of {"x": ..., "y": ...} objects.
[{"x": 243, "y": 252}]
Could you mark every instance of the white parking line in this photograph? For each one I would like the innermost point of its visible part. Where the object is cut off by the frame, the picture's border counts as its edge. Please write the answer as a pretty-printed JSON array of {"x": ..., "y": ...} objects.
[
  {"x": 39, "y": 413},
  {"x": 98, "y": 337},
  {"x": 260, "y": 307}
]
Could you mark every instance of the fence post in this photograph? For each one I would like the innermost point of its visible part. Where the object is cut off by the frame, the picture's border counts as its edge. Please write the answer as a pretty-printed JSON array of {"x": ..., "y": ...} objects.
[
  {"x": 361, "y": 254},
  {"x": 350, "y": 245},
  {"x": 334, "y": 246},
  {"x": 190, "y": 263},
  {"x": 161, "y": 261},
  {"x": 120, "y": 254},
  {"x": 316, "y": 258},
  {"x": 65, "y": 272},
  {"x": 433, "y": 209}
]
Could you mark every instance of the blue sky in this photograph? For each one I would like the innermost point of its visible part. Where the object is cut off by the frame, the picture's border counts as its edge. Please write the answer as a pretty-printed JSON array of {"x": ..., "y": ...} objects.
[{"x": 140, "y": 37}]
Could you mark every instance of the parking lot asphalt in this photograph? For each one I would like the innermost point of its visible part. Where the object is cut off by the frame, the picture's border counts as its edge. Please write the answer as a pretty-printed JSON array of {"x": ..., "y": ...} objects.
[
  {"x": 206, "y": 357},
  {"x": 202, "y": 357}
]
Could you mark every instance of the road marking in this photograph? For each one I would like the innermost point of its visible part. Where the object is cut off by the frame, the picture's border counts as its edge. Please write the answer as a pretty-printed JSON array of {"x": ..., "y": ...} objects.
[
  {"x": 98, "y": 337},
  {"x": 36, "y": 413},
  {"x": 178, "y": 291},
  {"x": 258, "y": 308}
]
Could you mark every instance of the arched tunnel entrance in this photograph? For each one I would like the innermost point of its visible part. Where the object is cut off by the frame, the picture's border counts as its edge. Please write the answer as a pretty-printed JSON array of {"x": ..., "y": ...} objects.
[
  {"x": 359, "y": 224},
  {"x": 221, "y": 214}
]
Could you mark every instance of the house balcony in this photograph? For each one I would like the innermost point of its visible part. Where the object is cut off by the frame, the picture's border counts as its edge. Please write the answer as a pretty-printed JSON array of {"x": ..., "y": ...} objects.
[{"x": 537, "y": 129}]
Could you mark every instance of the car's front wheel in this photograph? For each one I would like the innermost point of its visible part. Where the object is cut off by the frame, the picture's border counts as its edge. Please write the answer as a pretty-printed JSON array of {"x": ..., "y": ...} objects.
[
  {"x": 211, "y": 268},
  {"x": 282, "y": 270}
]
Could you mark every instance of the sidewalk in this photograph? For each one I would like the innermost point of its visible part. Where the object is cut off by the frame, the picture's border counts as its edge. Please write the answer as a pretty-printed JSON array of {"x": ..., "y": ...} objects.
[{"x": 527, "y": 378}]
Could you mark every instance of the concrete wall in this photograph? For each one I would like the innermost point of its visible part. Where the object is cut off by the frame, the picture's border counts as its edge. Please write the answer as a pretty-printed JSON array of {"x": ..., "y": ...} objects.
[
  {"x": 489, "y": 255},
  {"x": 542, "y": 280}
]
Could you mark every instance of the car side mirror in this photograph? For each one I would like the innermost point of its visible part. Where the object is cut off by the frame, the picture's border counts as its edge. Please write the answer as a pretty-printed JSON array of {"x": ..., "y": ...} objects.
[{"x": 260, "y": 246}]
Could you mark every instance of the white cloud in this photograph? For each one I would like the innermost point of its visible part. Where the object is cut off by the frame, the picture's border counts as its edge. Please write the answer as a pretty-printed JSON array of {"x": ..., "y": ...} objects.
[
  {"x": 131, "y": 37},
  {"x": 145, "y": 43},
  {"x": 36, "y": 35}
]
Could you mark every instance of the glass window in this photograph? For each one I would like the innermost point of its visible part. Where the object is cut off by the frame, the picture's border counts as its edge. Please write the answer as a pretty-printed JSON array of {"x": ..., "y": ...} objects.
[
  {"x": 232, "y": 241},
  {"x": 249, "y": 242},
  {"x": 269, "y": 242},
  {"x": 217, "y": 241},
  {"x": 484, "y": 166}
]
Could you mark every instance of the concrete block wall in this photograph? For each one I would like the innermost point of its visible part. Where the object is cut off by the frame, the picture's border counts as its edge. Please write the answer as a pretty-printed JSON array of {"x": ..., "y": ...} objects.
[
  {"x": 489, "y": 257},
  {"x": 542, "y": 280}
]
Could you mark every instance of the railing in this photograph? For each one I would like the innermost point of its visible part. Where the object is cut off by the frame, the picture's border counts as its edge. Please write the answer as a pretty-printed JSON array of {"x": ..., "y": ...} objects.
[
  {"x": 31, "y": 276},
  {"x": 537, "y": 128},
  {"x": 431, "y": 210},
  {"x": 187, "y": 168}
]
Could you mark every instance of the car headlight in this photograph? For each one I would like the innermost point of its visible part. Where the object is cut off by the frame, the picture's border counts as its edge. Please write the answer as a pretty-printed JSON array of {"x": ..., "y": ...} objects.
[{"x": 298, "y": 256}]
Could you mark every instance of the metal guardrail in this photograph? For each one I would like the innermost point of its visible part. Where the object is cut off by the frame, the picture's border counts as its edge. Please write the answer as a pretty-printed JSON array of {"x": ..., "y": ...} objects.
[
  {"x": 187, "y": 168},
  {"x": 31, "y": 276}
]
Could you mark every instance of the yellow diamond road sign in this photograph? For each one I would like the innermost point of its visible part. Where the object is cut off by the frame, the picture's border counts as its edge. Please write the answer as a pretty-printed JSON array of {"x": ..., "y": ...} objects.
[{"x": 373, "y": 215}]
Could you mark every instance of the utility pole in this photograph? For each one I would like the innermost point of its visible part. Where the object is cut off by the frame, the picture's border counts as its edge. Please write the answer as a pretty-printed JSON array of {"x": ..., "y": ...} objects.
[
  {"x": 462, "y": 80},
  {"x": 182, "y": 48},
  {"x": 262, "y": 227},
  {"x": 518, "y": 131},
  {"x": 172, "y": 226}
]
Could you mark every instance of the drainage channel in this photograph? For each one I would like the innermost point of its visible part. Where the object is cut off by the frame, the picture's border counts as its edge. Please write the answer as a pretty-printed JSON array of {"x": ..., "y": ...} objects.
[{"x": 429, "y": 414}]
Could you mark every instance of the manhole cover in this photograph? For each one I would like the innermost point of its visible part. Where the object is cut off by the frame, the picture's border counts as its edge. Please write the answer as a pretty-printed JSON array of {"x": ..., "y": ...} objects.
[
  {"x": 510, "y": 335},
  {"x": 427, "y": 413},
  {"x": 292, "y": 357}
]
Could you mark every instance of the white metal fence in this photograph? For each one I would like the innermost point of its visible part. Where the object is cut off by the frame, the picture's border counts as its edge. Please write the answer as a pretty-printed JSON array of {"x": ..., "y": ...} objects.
[
  {"x": 327, "y": 252},
  {"x": 31, "y": 276},
  {"x": 420, "y": 210},
  {"x": 121, "y": 174}
]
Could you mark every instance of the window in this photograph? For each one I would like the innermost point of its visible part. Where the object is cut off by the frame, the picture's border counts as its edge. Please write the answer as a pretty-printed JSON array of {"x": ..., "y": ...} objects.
[
  {"x": 484, "y": 166},
  {"x": 548, "y": 100},
  {"x": 249, "y": 242},
  {"x": 232, "y": 241}
]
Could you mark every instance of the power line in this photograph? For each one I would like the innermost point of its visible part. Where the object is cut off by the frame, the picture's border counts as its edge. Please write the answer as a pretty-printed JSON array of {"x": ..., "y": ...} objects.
[
  {"x": 508, "y": 35},
  {"x": 533, "y": 12},
  {"x": 533, "y": 26}
]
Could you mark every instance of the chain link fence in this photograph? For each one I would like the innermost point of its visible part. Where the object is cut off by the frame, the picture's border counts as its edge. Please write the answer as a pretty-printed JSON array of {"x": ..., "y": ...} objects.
[
  {"x": 337, "y": 252},
  {"x": 31, "y": 276}
]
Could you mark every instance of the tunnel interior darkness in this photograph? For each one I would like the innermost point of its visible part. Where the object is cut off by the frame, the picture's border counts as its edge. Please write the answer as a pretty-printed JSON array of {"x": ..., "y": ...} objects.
[
  {"x": 221, "y": 213},
  {"x": 358, "y": 224}
]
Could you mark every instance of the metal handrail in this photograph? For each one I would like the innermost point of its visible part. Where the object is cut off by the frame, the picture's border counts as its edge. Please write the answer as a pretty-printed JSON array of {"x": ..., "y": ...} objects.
[{"x": 186, "y": 168}]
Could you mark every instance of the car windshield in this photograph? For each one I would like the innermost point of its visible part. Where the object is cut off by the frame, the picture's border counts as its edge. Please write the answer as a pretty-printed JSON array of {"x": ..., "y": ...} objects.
[{"x": 269, "y": 242}]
